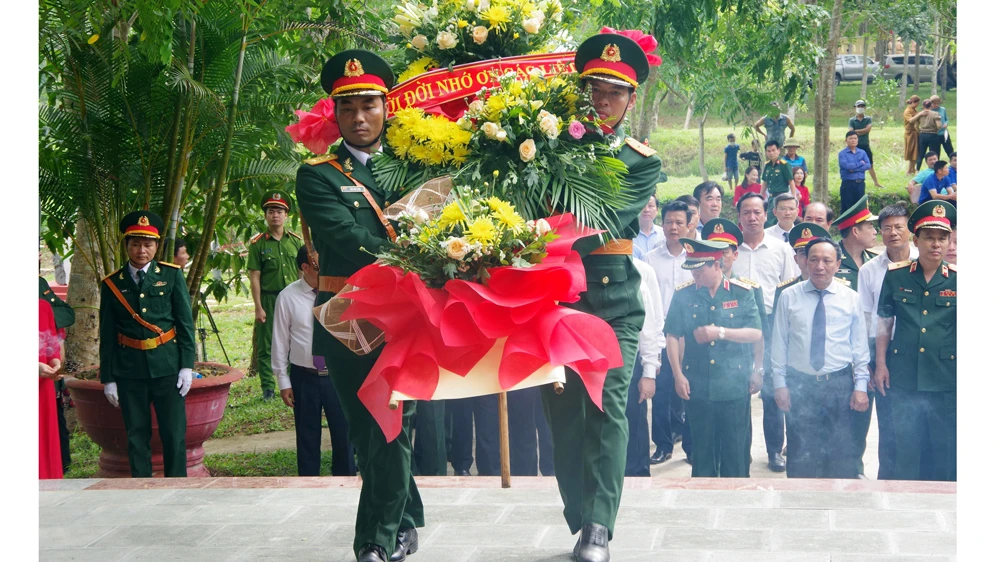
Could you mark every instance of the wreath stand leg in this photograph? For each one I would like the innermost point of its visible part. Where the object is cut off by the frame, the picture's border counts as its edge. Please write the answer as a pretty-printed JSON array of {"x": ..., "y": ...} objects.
[{"x": 504, "y": 442}]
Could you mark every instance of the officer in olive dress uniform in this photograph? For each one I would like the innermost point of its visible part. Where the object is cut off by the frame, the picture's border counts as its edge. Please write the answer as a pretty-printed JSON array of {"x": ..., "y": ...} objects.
[
  {"x": 724, "y": 230},
  {"x": 857, "y": 216},
  {"x": 272, "y": 267},
  {"x": 65, "y": 316},
  {"x": 147, "y": 346},
  {"x": 916, "y": 363},
  {"x": 342, "y": 205},
  {"x": 589, "y": 445},
  {"x": 716, "y": 318}
]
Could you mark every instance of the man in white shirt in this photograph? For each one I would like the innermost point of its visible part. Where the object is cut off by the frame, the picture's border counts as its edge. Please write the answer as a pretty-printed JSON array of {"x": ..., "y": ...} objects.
[
  {"x": 786, "y": 209},
  {"x": 302, "y": 377},
  {"x": 652, "y": 342},
  {"x": 820, "y": 367},
  {"x": 709, "y": 196},
  {"x": 666, "y": 260},
  {"x": 896, "y": 237},
  {"x": 767, "y": 261},
  {"x": 818, "y": 213},
  {"x": 650, "y": 235}
]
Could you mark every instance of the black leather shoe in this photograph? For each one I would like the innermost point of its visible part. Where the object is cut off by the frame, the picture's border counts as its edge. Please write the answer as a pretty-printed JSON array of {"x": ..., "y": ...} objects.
[
  {"x": 406, "y": 543},
  {"x": 776, "y": 463},
  {"x": 593, "y": 544},
  {"x": 660, "y": 456},
  {"x": 268, "y": 394},
  {"x": 372, "y": 553},
  {"x": 462, "y": 473}
]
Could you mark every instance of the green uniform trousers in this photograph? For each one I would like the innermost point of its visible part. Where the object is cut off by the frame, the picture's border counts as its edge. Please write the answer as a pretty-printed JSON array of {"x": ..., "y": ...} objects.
[
  {"x": 588, "y": 445},
  {"x": 262, "y": 333},
  {"x": 134, "y": 397},
  {"x": 430, "y": 457},
  {"x": 389, "y": 498},
  {"x": 718, "y": 437},
  {"x": 916, "y": 414}
]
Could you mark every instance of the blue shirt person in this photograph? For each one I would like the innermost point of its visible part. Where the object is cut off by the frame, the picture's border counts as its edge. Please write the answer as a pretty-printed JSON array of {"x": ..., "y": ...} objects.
[
  {"x": 937, "y": 185},
  {"x": 853, "y": 164}
]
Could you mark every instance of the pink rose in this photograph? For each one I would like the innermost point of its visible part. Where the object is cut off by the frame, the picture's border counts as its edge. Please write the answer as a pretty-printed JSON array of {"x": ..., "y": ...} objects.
[
  {"x": 576, "y": 129},
  {"x": 317, "y": 129}
]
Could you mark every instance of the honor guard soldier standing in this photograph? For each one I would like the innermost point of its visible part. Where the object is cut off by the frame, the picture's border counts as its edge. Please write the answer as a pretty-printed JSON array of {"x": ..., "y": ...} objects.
[
  {"x": 915, "y": 346},
  {"x": 589, "y": 445},
  {"x": 147, "y": 346},
  {"x": 716, "y": 317},
  {"x": 343, "y": 207},
  {"x": 857, "y": 236},
  {"x": 272, "y": 267}
]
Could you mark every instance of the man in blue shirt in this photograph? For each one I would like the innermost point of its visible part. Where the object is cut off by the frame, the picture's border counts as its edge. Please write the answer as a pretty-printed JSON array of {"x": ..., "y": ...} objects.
[
  {"x": 732, "y": 150},
  {"x": 649, "y": 235},
  {"x": 853, "y": 165},
  {"x": 938, "y": 186},
  {"x": 953, "y": 168},
  {"x": 943, "y": 131}
]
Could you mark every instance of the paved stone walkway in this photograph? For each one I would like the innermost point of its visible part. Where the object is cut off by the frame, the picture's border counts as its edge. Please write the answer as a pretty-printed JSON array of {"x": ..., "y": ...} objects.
[{"x": 474, "y": 520}]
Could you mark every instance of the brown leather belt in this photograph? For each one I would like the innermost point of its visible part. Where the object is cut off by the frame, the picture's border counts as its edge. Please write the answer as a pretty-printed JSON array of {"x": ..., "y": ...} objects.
[
  {"x": 617, "y": 246},
  {"x": 146, "y": 345},
  {"x": 331, "y": 284}
]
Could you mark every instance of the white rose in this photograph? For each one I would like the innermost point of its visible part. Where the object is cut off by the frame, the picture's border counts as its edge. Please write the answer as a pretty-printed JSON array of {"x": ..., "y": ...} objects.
[
  {"x": 501, "y": 136},
  {"x": 470, "y": 5},
  {"x": 491, "y": 129},
  {"x": 457, "y": 248},
  {"x": 420, "y": 216},
  {"x": 531, "y": 26},
  {"x": 446, "y": 40},
  {"x": 464, "y": 123},
  {"x": 476, "y": 106},
  {"x": 542, "y": 226},
  {"x": 419, "y": 42},
  {"x": 527, "y": 150},
  {"x": 549, "y": 124},
  {"x": 480, "y": 34},
  {"x": 538, "y": 15}
]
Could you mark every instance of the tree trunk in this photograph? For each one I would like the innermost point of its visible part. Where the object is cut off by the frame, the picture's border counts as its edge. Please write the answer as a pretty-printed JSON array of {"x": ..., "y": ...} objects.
[
  {"x": 690, "y": 112},
  {"x": 701, "y": 146},
  {"x": 864, "y": 66},
  {"x": 906, "y": 72},
  {"x": 84, "y": 295},
  {"x": 935, "y": 54},
  {"x": 916, "y": 69},
  {"x": 824, "y": 95},
  {"x": 648, "y": 115}
]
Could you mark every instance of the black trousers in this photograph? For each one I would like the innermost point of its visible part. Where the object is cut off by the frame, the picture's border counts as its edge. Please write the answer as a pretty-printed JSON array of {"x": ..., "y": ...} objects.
[
  {"x": 947, "y": 146},
  {"x": 483, "y": 412},
  {"x": 819, "y": 427},
  {"x": 668, "y": 412},
  {"x": 637, "y": 453},
  {"x": 429, "y": 456},
  {"x": 63, "y": 431},
  {"x": 927, "y": 142},
  {"x": 545, "y": 463},
  {"x": 851, "y": 192},
  {"x": 314, "y": 395},
  {"x": 530, "y": 441}
]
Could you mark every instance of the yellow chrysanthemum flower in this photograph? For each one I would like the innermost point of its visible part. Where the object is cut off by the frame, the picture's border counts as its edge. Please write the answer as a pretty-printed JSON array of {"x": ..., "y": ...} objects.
[
  {"x": 494, "y": 106},
  {"x": 482, "y": 230},
  {"x": 451, "y": 215},
  {"x": 506, "y": 215},
  {"x": 417, "y": 67},
  {"x": 497, "y": 16}
]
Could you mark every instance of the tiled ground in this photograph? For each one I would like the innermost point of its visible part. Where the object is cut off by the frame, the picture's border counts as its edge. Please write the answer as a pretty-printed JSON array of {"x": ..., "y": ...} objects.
[{"x": 473, "y": 519}]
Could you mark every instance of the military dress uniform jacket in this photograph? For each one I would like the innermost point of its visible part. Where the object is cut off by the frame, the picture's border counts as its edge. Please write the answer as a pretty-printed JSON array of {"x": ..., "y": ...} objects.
[
  {"x": 163, "y": 301},
  {"x": 64, "y": 313},
  {"x": 719, "y": 370},
  {"x": 345, "y": 229},
  {"x": 848, "y": 269},
  {"x": 921, "y": 355}
]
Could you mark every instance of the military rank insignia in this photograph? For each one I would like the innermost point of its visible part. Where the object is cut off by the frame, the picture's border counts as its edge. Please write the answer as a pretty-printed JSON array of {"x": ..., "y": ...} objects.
[
  {"x": 726, "y": 305},
  {"x": 949, "y": 293}
]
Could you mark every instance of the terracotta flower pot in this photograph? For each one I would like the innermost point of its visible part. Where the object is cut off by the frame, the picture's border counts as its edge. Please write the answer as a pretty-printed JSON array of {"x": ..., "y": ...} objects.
[{"x": 204, "y": 405}]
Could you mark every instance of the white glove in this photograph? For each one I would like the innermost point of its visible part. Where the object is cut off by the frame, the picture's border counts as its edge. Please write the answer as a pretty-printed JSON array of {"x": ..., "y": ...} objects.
[
  {"x": 111, "y": 393},
  {"x": 184, "y": 381}
]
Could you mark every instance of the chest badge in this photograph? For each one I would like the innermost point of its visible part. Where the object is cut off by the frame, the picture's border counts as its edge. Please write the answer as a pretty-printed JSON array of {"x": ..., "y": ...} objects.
[
  {"x": 352, "y": 189},
  {"x": 949, "y": 293},
  {"x": 160, "y": 284},
  {"x": 348, "y": 166},
  {"x": 726, "y": 305}
]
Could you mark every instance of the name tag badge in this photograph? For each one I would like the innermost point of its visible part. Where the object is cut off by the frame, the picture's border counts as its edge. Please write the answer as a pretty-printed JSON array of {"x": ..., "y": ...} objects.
[
  {"x": 352, "y": 189},
  {"x": 905, "y": 290},
  {"x": 726, "y": 305}
]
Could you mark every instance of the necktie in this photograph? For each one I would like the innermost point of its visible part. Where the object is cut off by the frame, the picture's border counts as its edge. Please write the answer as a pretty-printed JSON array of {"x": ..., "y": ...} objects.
[
  {"x": 817, "y": 347},
  {"x": 318, "y": 360},
  {"x": 140, "y": 274},
  {"x": 786, "y": 236},
  {"x": 369, "y": 163}
]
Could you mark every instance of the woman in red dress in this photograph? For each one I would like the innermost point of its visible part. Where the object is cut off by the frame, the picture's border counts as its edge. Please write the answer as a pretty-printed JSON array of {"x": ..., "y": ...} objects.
[
  {"x": 748, "y": 185},
  {"x": 799, "y": 175},
  {"x": 49, "y": 363}
]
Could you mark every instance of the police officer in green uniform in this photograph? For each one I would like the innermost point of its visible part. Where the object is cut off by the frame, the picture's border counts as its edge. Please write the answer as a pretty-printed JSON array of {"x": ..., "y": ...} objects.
[
  {"x": 776, "y": 177},
  {"x": 342, "y": 205},
  {"x": 272, "y": 266},
  {"x": 589, "y": 445},
  {"x": 724, "y": 230},
  {"x": 915, "y": 345},
  {"x": 716, "y": 318},
  {"x": 147, "y": 346},
  {"x": 858, "y": 235},
  {"x": 65, "y": 316}
]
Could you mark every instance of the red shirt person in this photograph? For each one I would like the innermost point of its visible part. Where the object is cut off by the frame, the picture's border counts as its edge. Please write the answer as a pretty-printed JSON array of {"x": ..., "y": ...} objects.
[
  {"x": 49, "y": 363},
  {"x": 750, "y": 184}
]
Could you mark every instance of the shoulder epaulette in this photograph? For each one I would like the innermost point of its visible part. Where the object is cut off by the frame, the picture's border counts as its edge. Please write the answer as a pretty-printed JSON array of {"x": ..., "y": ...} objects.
[
  {"x": 682, "y": 285},
  {"x": 321, "y": 159},
  {"x": 256, "y": 238},
  {"x": 750, "y": 282},
  {"x": 842, "y": 281},
  {"x": 168, "y": 264},
  {"x": 113, "y": 273},
  {"x": 953, "y": 267},
  {"x": 639, "y": 147},
  {"x": 900, "y": 264},
  {"x": 292, "y": 234},
  {"x": 741, "y": 283},
  {"x": 787, "y": 282},
  {"x": 782, "y": 161}
]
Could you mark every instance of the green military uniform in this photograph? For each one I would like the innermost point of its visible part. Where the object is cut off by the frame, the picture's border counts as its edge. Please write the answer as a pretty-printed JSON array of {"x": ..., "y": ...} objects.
[
  {"x": 776, "y": 177},
  {"x": 274, "y": 258},
  {"x": 719, "y": 371},
  {"x": 143, "y": 364},
  {"x": 589, "y": 445},
  {"x": 921, "y": 357},
  {"x": 724, "y": 230},
  {"x": 64, "y": 313},
  {"x": 346, "y": 231}
]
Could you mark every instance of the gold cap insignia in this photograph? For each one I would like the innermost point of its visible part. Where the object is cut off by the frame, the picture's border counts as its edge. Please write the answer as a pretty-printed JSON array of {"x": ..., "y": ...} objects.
[
  {"x": 938, "y": 211},
  {"x": 719, "y": 229},
  {"x": 806, "y": 233},
  {"x": 688, "y": 248},
  {"x": 353, "y": 68},
  {"x": 144, "y": 221},
  {"x": 611, "y": 54},
  {"x": 276, "y": 196}
]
